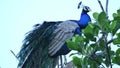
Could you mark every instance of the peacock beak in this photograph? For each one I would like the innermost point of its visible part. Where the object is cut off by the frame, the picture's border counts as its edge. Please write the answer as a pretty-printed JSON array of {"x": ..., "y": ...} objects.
[{"x": 89, "y": 10}]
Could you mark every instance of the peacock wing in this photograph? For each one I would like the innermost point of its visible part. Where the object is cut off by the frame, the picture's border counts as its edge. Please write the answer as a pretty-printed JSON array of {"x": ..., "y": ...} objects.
[{"x": 64, "y": 31}]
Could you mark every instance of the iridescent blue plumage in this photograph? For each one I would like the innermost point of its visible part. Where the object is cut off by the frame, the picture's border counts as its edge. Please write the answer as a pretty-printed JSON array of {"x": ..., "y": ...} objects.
[{"x": 84, "y": 20}]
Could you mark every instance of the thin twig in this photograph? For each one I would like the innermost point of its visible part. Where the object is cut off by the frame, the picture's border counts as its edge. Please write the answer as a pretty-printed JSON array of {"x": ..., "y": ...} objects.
[
  {"x": 61, "y": 61},
  {"x": 58, "y": 62},
  {"x": 101, "y": 5},
  {"x": 65, "y": 60},
  {"x": 110, "y": 41},
  {"x": 107, "y": 7},
  {"x": 108, "y": 53},
  {"x": 13, "y": 54}
]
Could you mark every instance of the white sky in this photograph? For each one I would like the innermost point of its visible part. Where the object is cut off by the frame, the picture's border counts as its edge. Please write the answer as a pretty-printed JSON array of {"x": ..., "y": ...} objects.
[{"x": 18, "y": 16}]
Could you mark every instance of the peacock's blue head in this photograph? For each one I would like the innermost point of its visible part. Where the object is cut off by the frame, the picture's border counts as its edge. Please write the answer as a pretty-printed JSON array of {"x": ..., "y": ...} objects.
[{"x": 86, "y": 9}]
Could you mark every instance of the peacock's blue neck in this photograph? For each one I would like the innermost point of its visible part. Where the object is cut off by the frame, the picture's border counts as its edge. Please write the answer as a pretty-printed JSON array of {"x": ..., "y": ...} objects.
[
  {"x": 83, "y": 12},
  {"x": 84, "y": 20}
]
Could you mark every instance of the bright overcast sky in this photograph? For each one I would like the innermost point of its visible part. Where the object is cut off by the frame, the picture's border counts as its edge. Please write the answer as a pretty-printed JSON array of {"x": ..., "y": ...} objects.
[{"x": 18, "y": 16}]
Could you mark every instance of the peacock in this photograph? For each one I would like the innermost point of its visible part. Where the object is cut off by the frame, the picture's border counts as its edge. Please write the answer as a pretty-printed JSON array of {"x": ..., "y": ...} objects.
[{"x": 42, "y": 45}]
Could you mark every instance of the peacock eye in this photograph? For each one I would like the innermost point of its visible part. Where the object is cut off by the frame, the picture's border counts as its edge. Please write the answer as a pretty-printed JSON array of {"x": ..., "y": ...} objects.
[{"x": 85, "y": 8}]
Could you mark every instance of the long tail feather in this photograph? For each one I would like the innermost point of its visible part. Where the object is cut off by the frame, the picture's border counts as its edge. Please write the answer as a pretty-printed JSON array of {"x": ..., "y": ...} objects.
[{"x": 34, "y": 52}]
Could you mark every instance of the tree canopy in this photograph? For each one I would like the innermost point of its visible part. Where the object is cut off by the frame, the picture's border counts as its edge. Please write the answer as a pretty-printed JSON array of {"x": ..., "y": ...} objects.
[{"x": 94, "y": 47}]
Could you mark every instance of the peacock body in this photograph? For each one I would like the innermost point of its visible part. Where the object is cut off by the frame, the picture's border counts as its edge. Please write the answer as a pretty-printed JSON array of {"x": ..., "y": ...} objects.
[{"x": 43, "y": 45}]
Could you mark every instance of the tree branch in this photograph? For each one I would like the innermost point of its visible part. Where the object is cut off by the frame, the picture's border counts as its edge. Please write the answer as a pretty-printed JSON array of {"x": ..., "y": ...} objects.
[
  {"x": 101, "y": 5},
  {"x": 93, "y": 59},
  {"x": 108, "y": 52},
  {"x": 107, "y": 48},
  {"x": 110, "y": 41},
  {"x": 104, "y": 36},
  {"x": 14, "y": 54},
  {"x": 107, "y": 7}
]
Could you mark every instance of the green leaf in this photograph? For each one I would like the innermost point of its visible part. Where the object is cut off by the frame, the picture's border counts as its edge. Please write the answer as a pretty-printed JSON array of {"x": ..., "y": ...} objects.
[
  {"x": 113, "y": 25},
  {"x": 79, "y": 38},
  {"x": 117, "y": 16},
  {"x": 114, "y": 15},
  {"x": 73, "y": 39},
  {"x": 85, "y": 62},
  {"x": 118, "y": 35},
  {"x": 118, "y": 11},
  {"x": 116, "y": 41},
  {"x": 77, "y": 61},
  {"x": 104, "y": 23},
  {"x": 96, "y": 28},
  {"x": 106, "y": 26},
  {"x": 92, "y": 63},
  {"x": 72, "y": 45},
  {"x": 99, "y": 59},
  {"x": 112, "y": 53},
  {"x": 89, "y": 32},
  {"x": 95, "y": 15},
  {"x": 116, "y": 60},
  {"x": 116, "y": 28},
  {"x": 75, "y": 46},
  {"x": 117, "y": 19},
  {"x": 101, "y": 17},
  {"x": 102, "y": 45},
  {"x": 89, "y": 49},
  {"x": 89, "y": 29},
  {"x": 106, "y": 62},
  {"x": 118, "y": 52},
  {"x": 93, "y": 45}
]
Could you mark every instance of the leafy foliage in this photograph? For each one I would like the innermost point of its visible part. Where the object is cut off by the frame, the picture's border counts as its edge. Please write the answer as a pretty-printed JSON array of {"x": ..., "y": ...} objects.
[{"x": 93, "y": 46}]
